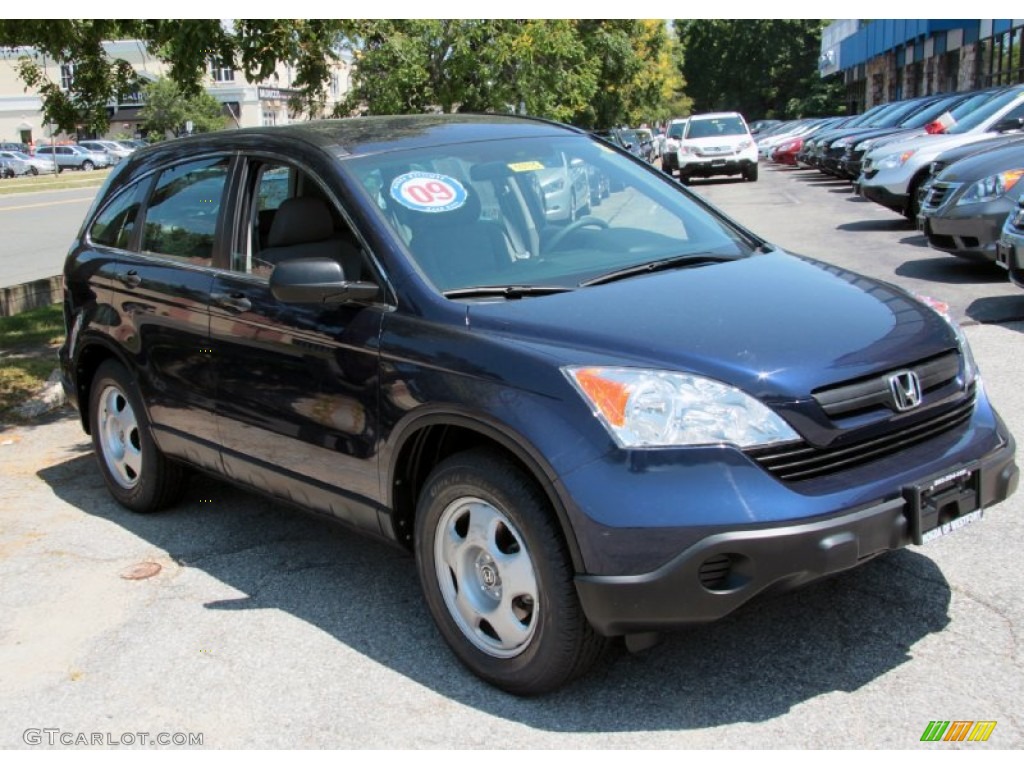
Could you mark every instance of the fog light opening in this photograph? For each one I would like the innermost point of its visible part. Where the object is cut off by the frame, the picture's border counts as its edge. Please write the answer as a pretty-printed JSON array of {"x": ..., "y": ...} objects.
[{"x": 726, "y": 572}]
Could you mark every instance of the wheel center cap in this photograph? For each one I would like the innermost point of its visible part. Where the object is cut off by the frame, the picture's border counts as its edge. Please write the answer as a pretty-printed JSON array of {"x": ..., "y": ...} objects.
[{"x": 488, "y": 576}]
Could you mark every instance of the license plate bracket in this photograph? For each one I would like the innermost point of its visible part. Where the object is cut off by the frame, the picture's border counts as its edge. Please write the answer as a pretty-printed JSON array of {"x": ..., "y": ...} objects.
[{"x": 943, "y": 504}]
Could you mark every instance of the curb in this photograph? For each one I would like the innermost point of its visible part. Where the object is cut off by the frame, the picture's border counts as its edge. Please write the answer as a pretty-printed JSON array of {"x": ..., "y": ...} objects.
[{"x": 37, "y": 293}]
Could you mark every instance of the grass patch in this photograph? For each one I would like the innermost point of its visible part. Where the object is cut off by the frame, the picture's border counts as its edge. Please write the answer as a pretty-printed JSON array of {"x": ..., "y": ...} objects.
[
  {"x": 46, "y": 182},
  {"x": 28, "y": 354}
]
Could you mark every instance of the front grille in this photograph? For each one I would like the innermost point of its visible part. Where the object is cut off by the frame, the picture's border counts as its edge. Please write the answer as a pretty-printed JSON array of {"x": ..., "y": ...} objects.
[
  {"x": 938, "y": 193},
  {"x": 799, "y": 461},
  {"x": 854, "y": 397}
]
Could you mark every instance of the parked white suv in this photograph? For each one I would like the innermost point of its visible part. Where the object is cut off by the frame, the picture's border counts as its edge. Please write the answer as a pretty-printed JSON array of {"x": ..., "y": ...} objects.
[{"x": 715, "y": 144}]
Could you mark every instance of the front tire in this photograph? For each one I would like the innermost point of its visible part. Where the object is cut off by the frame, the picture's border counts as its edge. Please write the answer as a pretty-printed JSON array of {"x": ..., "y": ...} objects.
[
  {"x": 497, "y": 576},
  {"x": 750, "y": 174},
  {"x": 137, "y": 474},
  {"x": 88, "y": 165}
]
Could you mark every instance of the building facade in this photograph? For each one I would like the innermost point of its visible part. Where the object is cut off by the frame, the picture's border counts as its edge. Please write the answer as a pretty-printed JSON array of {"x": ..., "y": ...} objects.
[
  {"x": 245, "y": 103},
  {"x": 889, "y": 59}
]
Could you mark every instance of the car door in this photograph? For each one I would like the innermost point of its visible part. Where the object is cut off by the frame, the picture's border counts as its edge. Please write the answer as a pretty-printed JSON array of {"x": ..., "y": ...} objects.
[
  {"x": 296, "y": 383},
  {"x": 161, "y": 294}
]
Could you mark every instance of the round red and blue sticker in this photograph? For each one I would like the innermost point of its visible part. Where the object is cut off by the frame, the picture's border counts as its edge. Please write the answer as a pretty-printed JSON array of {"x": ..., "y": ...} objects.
[{"x": 428, "y": 192}]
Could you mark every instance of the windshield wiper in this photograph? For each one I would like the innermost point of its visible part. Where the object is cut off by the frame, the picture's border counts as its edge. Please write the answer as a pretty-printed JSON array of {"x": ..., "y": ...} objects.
[
  {"x": 505, "y": 291},
  {"x": 689, "y": 260}
]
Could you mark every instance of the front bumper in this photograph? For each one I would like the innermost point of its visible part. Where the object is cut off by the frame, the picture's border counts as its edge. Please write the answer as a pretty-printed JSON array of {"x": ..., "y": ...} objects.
[
  {"x": 721, "y": 572},
  {"x": 715, "y": 166},
  {"x": 967, "y": 230},
  {"x": 883, "y": 196},
  {"x": 1010, "y": 255}
]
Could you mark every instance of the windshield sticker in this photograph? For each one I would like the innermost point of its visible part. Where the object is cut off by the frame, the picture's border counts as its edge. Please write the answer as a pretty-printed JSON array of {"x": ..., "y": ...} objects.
[
  {"x": 527, "y": 165},
  {"x": 428, "y": 192}
]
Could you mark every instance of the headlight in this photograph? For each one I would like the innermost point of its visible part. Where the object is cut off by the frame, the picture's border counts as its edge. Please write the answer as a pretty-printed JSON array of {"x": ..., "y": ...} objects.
[
  {"x": 991, "y": 188},
  {"x": 685, "y": 149},
  {"x": 941, "y": 308},
  {"x": 895, "y": 160},
  {"x": 864, "y": 146},
  {"x": 745, "y": 144},
  {"x": 650, "y": 409},
  {"x": 555, "y": 185},
  {"x": 841, "y": 143}
]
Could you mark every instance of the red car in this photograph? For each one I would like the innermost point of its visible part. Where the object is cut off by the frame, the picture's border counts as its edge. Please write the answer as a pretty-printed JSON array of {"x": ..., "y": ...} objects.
[{"x": 787, "y": 151}]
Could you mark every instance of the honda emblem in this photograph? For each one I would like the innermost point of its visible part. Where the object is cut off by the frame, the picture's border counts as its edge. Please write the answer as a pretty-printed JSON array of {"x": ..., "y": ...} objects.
[{"x": 906, "y": 390}]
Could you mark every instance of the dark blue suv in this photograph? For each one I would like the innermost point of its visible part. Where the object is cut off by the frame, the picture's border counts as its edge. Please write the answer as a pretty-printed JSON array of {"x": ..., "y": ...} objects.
[{"x": 604, "y": 425}]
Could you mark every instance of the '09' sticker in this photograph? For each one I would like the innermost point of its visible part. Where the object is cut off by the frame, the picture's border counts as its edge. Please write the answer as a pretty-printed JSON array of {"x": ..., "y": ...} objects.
[{"x": 428, "y": 192}]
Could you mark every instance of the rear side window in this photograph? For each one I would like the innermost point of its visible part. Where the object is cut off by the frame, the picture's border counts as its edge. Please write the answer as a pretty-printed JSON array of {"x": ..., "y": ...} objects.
[
  {"x": 116, "y": 222},
  {"x": 181, "y": 220}
]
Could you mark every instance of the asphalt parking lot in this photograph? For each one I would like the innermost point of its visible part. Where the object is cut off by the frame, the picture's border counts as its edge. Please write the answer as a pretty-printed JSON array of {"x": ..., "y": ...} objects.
[{"x": 256, "y": 626}]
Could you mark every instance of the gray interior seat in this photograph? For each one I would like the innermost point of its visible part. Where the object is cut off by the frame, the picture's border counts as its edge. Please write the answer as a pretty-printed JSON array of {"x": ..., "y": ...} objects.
[{"x": 304, "y": 228}]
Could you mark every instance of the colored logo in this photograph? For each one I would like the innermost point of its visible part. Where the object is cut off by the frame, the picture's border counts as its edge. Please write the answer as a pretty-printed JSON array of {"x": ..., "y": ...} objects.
[
  {"x": 428, "y": 192},
  {"x": 958, "y": 730}
]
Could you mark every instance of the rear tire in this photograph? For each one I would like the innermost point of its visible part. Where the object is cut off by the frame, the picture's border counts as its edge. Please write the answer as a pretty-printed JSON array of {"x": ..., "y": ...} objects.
[{"x": 497, "y": 576}]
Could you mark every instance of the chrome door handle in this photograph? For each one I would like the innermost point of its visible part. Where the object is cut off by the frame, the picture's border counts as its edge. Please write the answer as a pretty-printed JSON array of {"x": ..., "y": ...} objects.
[{"x": 236, "y": 301}]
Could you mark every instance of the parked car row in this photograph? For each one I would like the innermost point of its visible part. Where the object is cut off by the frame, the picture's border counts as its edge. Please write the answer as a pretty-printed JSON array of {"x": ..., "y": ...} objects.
[
  {"x": 85, "y": 155},
  {"x": 21, "y": 164},
  {"x": 638, "y": 141},
  {"x": 951, "y": 163}
]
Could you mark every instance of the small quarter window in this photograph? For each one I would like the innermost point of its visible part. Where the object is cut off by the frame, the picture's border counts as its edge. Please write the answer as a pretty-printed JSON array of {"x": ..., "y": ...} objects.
[{"x": 115, "y": 224}]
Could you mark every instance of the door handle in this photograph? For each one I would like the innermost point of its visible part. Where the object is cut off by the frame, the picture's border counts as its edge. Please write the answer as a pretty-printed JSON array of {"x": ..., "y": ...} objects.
[
  {"x": 130, "y": 278},
  {"x": 236, "y": 301}
]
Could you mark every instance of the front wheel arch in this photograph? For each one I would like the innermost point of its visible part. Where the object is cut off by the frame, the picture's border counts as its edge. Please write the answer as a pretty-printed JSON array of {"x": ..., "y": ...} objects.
[{"x": 431, "y": 438}]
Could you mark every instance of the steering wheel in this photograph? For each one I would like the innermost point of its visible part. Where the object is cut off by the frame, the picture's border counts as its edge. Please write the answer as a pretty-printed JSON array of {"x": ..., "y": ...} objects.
[{"x": 583, "y": 221}]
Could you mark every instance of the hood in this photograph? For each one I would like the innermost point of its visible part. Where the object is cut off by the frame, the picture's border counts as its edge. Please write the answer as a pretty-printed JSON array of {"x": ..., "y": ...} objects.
[
  {"x": 774, "y": 325},
  {"x": 927, "y": 146},
  {"x": 985, "y": 163}
]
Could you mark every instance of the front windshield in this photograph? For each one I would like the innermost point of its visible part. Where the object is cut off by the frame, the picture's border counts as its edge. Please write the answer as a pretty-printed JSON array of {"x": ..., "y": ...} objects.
[
  {"x": 541, "y": 212},
  {"x": 715, "y": 126},
  {"x": 986, "y": 111},
  {"x": 675, "y": 130}
]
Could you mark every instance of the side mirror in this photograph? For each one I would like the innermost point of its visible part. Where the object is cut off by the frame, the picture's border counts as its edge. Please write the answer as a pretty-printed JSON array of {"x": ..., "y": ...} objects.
[
  {"x": 317, "y": 281},
  {"x": 1009, "y": 124}
]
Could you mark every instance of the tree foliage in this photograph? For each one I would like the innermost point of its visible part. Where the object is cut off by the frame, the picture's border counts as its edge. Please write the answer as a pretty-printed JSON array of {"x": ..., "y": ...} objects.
[
  {"x": 255, "y": 47},
  {"x": 759, "y": 67},
  {"x": 595, "y": 73},
  {"x": 167, "y": 109}
]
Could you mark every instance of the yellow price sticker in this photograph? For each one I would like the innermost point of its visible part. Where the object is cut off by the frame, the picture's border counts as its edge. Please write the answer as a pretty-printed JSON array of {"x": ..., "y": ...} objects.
[{"x": 527, "y": 165}]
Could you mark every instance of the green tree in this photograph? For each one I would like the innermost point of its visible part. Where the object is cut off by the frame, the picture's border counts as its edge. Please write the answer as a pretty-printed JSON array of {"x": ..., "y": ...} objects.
[
  {"x": 468, "y": 65},
  {"x": 255, "y": 47},
  {"x": 760, "y": 67},
  {"x": 167, "y": 109},
  {"x": 593, "y": 72}
]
